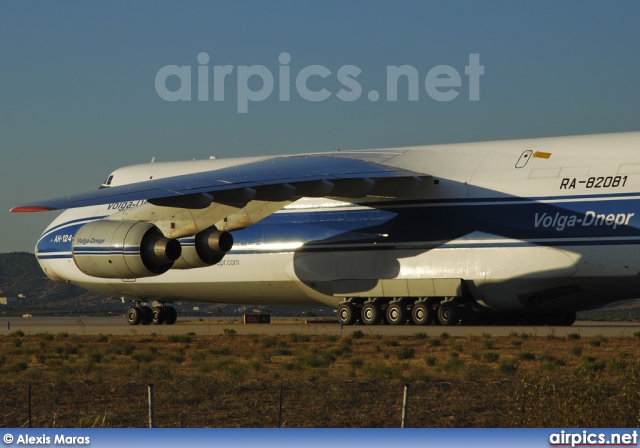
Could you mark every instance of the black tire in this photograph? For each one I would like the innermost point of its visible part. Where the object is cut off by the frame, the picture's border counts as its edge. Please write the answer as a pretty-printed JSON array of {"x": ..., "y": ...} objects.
[
  {"x": 170, "y": 315},
  {"x": 468, "y": 316},
  {"x": 347, "y": 314},
  {"x": 525, "y": 320},
  {"x": 397, "y": 313},
  {"x": 134, "y": 316},
  {"x": 147, "y": 315},
  {"x": 159, "y": 315},
  {"x": 569, "y": 318},
  {"x": 554, "y": 319},
  {"x": 371, "y": 313},
  {"x": 448, "y": 313},
  {"x": 422, "y": 313},
  {"x": 484, "y": 319}
]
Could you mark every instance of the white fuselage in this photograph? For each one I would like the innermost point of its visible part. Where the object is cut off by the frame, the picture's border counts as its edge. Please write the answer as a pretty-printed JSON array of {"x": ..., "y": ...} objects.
[{"x": 535, "y": 224}]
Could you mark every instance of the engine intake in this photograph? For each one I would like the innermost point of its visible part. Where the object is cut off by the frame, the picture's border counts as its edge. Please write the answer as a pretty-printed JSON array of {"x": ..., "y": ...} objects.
[
  {"x": 123, "y": 249},
  {"x": 205, "y": 249}
]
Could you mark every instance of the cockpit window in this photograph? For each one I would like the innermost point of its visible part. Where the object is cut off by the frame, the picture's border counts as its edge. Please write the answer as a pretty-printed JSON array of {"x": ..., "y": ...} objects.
[{"x": 107, "y": 183}]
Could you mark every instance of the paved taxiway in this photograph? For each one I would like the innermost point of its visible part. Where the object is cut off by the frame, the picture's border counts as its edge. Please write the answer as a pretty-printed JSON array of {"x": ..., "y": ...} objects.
[{"x": 118, "y": 326}]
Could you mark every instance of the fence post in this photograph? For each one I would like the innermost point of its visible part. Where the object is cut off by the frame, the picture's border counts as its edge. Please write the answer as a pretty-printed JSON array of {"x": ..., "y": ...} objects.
[
  {"x": 29, "y": 388},
  {"x": 152, "y": 410},
  {"x": 405, "y": 405},
  {"x": 280, "y": 412}
]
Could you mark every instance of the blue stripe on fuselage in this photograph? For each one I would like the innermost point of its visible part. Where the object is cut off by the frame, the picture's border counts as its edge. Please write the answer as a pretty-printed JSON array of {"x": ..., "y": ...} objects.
[
  {"x": 59, "y": 240},
  {"x": 434, "y": 222},
  {"x": 431, "y": 222}
]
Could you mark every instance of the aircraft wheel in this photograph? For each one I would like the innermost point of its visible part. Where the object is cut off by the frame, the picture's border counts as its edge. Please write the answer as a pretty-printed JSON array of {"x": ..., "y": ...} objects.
[
  {"x": 539, "y": 321},
  {"x": 134, "y": 316},
  {"x": 396, "y": 313},
  {"x": 146, "y": 315},
  {"x": 170, "y": 315},
  {"x": 422, "y": 313},
  {"x": 347, "y": 313},
  {"x": 554, "y": 319},
  {"x": 525, "y": 320},
  {"x": 569, "y": 318},
  {"x": 159, "y": 315},
  {"x": 484, "y": 319},
  {"x": 468, "y": 316},
  {"x": 448, "y": 313},
  {"x": 371, "y": 313}
]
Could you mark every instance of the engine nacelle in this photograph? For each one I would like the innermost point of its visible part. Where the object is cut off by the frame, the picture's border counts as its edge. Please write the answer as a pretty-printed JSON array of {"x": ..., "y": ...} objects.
[
  {"x": 123, "y": 249},
  {"x": 205, "y": 249}
]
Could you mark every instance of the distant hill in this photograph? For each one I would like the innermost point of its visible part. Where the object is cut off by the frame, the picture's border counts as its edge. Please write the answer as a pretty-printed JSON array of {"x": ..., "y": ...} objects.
[
  {"x": 626, "y": 310},
  {"x": 21, "y": 275}
]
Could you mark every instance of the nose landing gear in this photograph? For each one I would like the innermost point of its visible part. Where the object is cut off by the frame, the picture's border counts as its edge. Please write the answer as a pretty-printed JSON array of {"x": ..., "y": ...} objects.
[{"x": 143, "y": 315}]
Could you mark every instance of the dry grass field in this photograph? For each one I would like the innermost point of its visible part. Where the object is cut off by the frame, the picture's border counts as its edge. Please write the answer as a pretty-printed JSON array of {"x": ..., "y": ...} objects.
[{"x": 325, "y": 381}]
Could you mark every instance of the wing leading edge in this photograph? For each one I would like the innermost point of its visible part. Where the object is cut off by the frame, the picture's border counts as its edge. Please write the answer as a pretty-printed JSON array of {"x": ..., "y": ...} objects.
[{"x": 273, "y": 179}]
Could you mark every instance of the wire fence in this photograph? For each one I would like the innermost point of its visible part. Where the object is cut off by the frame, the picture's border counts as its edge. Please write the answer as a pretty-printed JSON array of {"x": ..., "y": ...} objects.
[
  {"x": 536, "y": 401},
  {"x": 198, "y": 403}
]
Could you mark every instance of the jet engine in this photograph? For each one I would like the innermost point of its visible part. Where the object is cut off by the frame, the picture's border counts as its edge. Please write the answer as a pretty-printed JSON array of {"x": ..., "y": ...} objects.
[
  {"x": 206, "y": 248},
  {"x": 123, "y": 249}
]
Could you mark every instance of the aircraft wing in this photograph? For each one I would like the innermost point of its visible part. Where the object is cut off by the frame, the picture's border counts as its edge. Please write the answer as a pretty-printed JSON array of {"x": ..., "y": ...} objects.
[{"x": 273, "y": 179}]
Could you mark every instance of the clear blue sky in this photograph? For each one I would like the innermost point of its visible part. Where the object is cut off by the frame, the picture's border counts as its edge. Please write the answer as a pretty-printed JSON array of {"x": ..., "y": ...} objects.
[{"x": 78, "y": 98}]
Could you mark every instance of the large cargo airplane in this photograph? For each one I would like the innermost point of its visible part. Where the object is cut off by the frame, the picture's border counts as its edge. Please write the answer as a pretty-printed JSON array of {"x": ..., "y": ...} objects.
[{"x": 519, "y": 231}]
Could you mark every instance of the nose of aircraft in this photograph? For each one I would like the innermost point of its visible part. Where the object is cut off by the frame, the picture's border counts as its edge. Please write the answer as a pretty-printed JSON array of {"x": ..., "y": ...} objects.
[
  {"x": 48, "y": 270},
  {"x": 44, "y": 257},
  {"x": 53, "y": 248}
]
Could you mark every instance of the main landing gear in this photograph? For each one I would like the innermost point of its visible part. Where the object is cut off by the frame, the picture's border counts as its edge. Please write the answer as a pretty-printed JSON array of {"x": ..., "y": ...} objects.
[
  {"x": 143, "y": 315},
  {"x": 398, "y": 311},
  {"x": 446, "y": 311}
]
